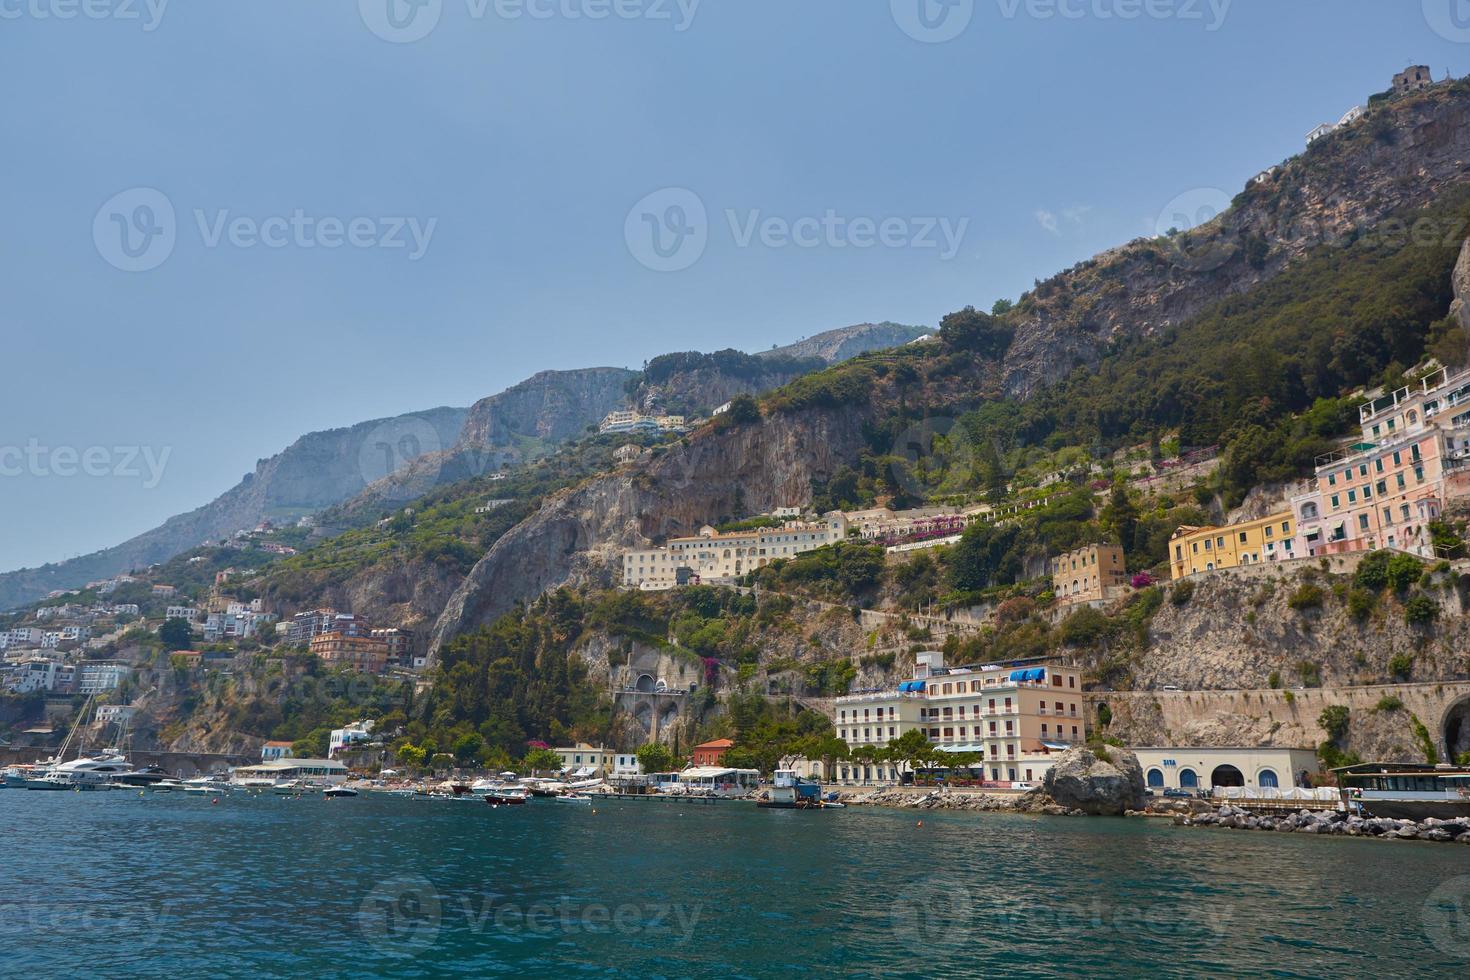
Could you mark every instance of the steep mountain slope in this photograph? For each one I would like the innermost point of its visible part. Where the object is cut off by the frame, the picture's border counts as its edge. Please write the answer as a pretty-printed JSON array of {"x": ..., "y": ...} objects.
[
  {"x": 835, "y": 346},
  {"x": 316, "y": 471},
  {"x": 551, "y": 406},
  {"x": 1404, "y": 154},
  {"x": 1400, "y": 154}
]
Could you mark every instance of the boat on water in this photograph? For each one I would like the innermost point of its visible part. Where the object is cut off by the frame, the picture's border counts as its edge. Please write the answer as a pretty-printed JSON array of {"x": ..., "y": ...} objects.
[
  {"x": 140, "y": 778},
  {"x": 335, "y": 791},
  {"x": 508, "y": 796},
  {"x": 168, "y": 786},
  {"x": 294, "y": 787},
  {"x": 82, "y": 774},
  {"x": 1401, "y": 791},
  {"x": 573, "y": 798},
  {"x": 791, "y": 792}
]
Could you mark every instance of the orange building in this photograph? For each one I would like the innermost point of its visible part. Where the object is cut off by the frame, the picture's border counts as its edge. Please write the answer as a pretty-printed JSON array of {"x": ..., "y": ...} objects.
[
  {"x": 712, "y": 753},
  {"x": 364, "y": 654}
]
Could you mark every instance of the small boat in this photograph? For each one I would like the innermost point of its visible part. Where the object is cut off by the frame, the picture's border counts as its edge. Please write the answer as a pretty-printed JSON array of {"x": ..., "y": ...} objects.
[
  {"x": 203, "y": 789},
  {"x": 168, "y": 786},
  {"x": 791, "y": 792},
  {"x": 572, "y": 798},
  {"x": 508, "y": 796},
  {"x": 333, "y": 791},
  {"x": 139, "y": 778}
]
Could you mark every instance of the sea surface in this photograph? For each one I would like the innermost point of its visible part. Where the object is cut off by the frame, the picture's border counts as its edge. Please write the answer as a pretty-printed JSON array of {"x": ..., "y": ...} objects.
[{"x": 118, "y": 884}]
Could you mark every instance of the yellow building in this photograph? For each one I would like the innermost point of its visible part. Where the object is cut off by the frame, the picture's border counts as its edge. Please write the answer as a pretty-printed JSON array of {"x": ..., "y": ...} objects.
[
  {"x": 1205, "y": 549},
  {"x": 1089, "y": 574}
]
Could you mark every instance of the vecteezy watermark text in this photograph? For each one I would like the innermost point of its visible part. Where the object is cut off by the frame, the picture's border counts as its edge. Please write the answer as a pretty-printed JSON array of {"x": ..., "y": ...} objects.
[
  {"x": 122, "y": 462},
  {"x": 668, "y": 230},
  {"x": 405, "y": 914},
  {"x": 937, "y": 21},
  {"x": 406, "y": 21},
  {"x": 149, "y": 13},
  {"x": 137, "y": 230}
]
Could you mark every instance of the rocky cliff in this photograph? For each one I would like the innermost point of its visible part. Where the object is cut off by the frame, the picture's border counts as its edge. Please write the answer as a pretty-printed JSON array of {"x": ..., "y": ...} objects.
[
  {"x": 1401, "y": 154},
  {"x": 552, "y": 406},
  {"x": 845, "y": 343},
  {"x": 315, "y": 472},
  {"x": 712, "y": 476}
]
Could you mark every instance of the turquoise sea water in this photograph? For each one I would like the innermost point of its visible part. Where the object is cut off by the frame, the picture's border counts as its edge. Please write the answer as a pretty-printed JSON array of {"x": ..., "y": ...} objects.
[{"x": 114, "y": 884}]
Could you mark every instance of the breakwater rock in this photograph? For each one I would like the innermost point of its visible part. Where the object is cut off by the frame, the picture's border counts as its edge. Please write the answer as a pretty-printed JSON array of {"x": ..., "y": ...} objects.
[
  {"x": 1331, "y": 822},
  {"x": 1104, "y": 782}
]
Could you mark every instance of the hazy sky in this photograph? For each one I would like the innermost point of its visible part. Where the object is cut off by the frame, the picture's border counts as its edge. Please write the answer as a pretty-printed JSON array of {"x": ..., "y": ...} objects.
[{"x": 227, "y": 224}]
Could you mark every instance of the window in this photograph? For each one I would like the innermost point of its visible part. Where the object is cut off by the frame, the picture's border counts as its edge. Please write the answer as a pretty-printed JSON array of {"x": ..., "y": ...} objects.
[
  {"x": 1332, "y": 479},
  {"x": 1367, "y": 493},
  {"x": 1335, "y": 503},
  {"x": 1362, "y": 522},
  {"x": 1242, "y": 537},
  {"x": 1352, "y": 496},
  {"x": 1382, "y": 488},
  {"x": 1155, "y": 779},
  {"x": 1378, "y": 465},
  {"x": 1399, "y": 478}
]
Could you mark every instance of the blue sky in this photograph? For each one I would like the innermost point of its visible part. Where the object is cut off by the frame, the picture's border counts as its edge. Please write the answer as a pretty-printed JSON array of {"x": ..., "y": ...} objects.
[{"x": 518, "y": 147}]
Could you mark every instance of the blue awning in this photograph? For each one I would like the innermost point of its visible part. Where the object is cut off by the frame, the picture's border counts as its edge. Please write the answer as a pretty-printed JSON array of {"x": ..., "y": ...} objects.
[
  {"x": 911, "y": 686},
  {"x": 1029, "y": 674}
]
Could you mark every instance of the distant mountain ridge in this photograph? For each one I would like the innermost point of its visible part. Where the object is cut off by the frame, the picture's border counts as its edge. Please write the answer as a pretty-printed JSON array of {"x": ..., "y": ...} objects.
[{"x": 325, "y": 469}]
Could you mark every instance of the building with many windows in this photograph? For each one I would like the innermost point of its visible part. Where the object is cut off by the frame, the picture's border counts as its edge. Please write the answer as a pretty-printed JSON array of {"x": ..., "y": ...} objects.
[
  {"x": 1205, "y": 549},
  {"x": 1092, "y": 574},
  {"x": 714, "y": 554},
  {"x": 1013, "y": 716},
  {"x": 360, "y": 653}
]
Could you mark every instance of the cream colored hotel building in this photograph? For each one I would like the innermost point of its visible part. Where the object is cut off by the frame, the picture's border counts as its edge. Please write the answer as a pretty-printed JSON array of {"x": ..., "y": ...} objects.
[{"x": 1017, "y": 716}]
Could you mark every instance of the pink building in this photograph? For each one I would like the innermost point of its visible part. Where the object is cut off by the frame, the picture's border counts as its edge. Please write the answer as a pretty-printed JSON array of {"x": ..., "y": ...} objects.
[{"x": 1383, "y": 491}]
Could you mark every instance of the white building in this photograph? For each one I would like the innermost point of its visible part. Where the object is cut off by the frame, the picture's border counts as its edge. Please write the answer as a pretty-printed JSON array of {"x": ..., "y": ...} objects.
[
  {"x": 115, "y": 714},
  {"x": 25, "y": 636},
  {"x": 1319, "y": 132},
  {"x": 355, "y": 734},
  {"x": 1193, "y": 768},
  {"x": 97, "y": 678},
  {"x": 714, "y": 555},
  {"x": 583, "y": 761},
  {"x": 37, "y": 675},
  {"x": 1351, "y": 116},
  {"x": 187, "y": 613}
]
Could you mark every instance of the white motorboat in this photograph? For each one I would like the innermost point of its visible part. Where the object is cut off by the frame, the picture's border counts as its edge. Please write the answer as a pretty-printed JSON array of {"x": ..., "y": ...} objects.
[
  {"x": 83, "y": 774},
  {"x": 203, "y": 789},
  {"x": 573, "y": 798},
  {"x": 333, "y": 791},
  {"x": 168, "y": 786}
]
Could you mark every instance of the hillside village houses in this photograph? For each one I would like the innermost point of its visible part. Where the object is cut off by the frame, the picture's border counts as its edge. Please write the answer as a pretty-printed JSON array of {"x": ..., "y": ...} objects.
[
  {"x": 1016, "y": 716},
  {"x": 714, "y": 555},
  {"x": 627, "y": 421},
  {"x": 1382, "y": 491}
]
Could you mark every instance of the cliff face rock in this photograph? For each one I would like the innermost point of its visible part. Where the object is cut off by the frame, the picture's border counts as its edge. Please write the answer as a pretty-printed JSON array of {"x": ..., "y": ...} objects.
[
  {"x": 1238, "y": 629},
  {"x": 707, "y": 478},
  {"x": 1079, "y": 780},
  {"x": 844, "y": 343},
  {"x": 317, "y": 471},
  {"x": 1460, "y": 280},
  {"x": 552, "y": 406},
  {"x": 1400, "y": 155}
]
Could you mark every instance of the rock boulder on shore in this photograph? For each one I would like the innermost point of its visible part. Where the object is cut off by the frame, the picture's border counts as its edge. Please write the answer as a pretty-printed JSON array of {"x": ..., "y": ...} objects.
[{"x": 1109, "y": 786}]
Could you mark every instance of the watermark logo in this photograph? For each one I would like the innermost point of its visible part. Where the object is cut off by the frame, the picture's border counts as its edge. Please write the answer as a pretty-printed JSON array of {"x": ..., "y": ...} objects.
[
  {"x": 1210, "y": 13},
  {"x": 135, "y": 230},
  {"x": 148, "y": 13},
  {"x": 932, "y": 21},
  {"x": 1450, "y": 19},
  {"x": 401, "y": 21},
  {"x": 931, "y": 453},
  {"x": 406, "y": 21},
  {"x": 401, "y": 915},
  {"x": 934, "y": 913},
  {"x": 1185, "y": 225},
  {"x": 35, "y": 459},
  {"x": 668, "y": 230},
  {"x": 1445, "y": 916},
  {"x": 404, "y": 449}
]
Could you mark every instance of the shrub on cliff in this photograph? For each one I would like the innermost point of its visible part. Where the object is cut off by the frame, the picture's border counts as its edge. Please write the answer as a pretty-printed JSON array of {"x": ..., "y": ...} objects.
[
  {"x": 1307, "y": 596},
  {"x": 1182, "y": 593},
  {"x": 1420, "y": 609}
]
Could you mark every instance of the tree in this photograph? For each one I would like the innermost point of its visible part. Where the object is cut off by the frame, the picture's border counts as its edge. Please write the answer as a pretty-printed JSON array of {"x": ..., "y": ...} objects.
[
  {"x": 542, "y": 760},
  {"x": 175, "y": 634},
  {"x": 979, "y": 333},
  {"x": 411, "y": 755},
  {"x": 1334, "y": 721},
  {"x": 1001, "y": 307},
  {"x": 467, "y": 747},
  {"x": 656, "y": 757},
  {"x": 313, "y": 745},
  {"x": 912, "y": 748},
  {"x": 743, "y": 410}
]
